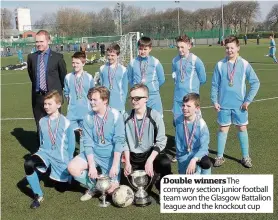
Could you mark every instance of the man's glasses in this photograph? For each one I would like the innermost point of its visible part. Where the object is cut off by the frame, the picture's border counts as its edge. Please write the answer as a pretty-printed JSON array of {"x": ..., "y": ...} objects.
[{"x": 137, "y": 98}]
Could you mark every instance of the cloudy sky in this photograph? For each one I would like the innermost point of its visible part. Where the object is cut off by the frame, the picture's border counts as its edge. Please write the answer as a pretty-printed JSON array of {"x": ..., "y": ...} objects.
[{"x": 40, "y": 7}]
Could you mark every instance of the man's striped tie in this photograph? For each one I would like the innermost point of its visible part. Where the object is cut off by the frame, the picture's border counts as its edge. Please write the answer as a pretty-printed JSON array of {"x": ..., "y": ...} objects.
[{"x": 42, "y": 74}]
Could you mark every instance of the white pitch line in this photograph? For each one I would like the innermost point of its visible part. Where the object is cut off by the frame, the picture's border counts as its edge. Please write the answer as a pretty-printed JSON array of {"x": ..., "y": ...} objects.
[
  {"x": 205, "y": 107},
  {"x": 10, "y": 119},
  {"x": 10, "y": 73},
  {"x": 7, "y": 84}
]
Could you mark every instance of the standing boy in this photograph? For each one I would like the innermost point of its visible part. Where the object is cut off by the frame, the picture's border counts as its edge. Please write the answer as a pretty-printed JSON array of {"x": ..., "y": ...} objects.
[
  {"x": 20, "y": 55},
  {"x": 192, "y": 138},
  {"x": 272, "y": 49},
  {"x": 145, "y": 136},
  {"x": 148, "y": 70},
  {"x": 57, "y": 144},
  {"x": 113, "y": 76},
  {"x": 230, "y": 99},
  {"x": 77, "y": 85},
  {"x": 104, "y": 141},
  {"x": 188, "y": 72}
]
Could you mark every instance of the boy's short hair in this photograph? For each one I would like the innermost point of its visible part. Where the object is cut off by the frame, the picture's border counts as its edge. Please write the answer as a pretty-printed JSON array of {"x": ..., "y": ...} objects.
[
  {"x": 140, "y": 86},
  {"x": 102, "y": 90},
  {"x": 45, "y": 33},
  {"x": 114, "y": 48},
  {"x": 54, "y": 94},
  {"x": 80, "y": 55},
  {"x": 232, "y": 39},
  {"x": 183, "y": 38},
  {"x": 192, "y": 97},
  {"x": 144, "y": 42}
]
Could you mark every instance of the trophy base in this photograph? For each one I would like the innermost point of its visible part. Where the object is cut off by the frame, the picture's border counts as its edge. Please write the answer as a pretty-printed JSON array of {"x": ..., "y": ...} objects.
[
  {"x": 142, "y": 202},
  {"x": 104, "y": 205}
]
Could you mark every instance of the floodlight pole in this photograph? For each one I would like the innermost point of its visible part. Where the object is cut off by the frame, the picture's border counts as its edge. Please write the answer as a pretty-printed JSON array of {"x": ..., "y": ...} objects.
[
  {"x": 179, "y": 31},
  {"x": 120, "y": 17},
  {"x": 2, "y": 26},
  {"x": 222, "y": 18}
]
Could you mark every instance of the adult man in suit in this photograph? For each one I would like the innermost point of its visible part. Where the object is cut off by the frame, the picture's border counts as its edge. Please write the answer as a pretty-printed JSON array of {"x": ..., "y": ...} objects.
[{"x": 47, "y": 70}]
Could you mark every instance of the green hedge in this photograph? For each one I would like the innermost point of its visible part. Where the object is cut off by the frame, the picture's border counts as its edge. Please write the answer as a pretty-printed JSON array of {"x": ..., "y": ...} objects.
[{"x": 254, "y": 35}]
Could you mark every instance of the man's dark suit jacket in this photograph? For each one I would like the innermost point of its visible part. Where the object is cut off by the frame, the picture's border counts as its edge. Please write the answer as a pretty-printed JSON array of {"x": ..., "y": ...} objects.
[{"x": 56, "y": 71}]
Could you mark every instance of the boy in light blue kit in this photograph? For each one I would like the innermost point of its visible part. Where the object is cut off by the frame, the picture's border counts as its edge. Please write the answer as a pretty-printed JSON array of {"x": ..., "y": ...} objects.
[
  {"x": 192, "y": 138},
  {"x": 104, "y": 141},
  {"x": 188, "y": 72},
  {"x": 113, "y": 76},
  {"x": 272, "y": 49},
  {"x": 20, "y": 56},
  {"x": 148, "y": 70},
  {"x": 57, "y": 144},
  {"x": 231, "y": 100},
  {"x": 77, "y": 85}
]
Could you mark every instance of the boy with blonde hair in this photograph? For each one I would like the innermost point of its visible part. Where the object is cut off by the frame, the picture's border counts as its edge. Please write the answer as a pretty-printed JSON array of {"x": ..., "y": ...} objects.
[{"x": 57, "y": 144}]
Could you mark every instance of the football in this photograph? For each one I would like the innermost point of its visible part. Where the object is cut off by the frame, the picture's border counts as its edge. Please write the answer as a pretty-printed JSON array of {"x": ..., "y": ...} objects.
[{"x": 123, "y": 196}]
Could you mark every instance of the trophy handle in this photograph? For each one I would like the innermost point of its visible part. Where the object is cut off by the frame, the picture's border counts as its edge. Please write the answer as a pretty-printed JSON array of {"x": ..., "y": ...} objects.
[
  {"x": 149, "y": 183},
  {"x": 130, "y": 183}
]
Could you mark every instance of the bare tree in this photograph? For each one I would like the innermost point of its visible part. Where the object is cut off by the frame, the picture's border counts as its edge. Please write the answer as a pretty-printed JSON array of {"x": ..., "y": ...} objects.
[
  {"x": 272, "y": 18},
  {"x": 214, "y": 17},
  {"x": 6, "y": 20},
  {"x": 46, "y": 22},
  {"x": 250, "y": 11}
]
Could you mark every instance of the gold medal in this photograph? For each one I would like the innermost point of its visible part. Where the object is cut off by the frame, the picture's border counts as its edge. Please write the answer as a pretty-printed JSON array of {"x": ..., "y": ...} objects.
[
  {"x": 102, "y": 140},
  {"x": 110, "y": 87},
  {"x": 140, "y": 142},
  {"x": 231, "y": 83}
]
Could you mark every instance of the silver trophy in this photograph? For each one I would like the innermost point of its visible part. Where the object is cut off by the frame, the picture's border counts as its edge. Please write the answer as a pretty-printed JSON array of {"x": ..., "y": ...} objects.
[
  {"x": 103, "y": 184},
  {"x": 139, "y": 181}
]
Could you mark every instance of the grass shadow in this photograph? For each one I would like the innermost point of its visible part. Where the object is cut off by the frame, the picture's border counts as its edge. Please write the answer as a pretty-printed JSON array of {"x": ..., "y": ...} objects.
[
  {"x": 74, "y": 186},
  {"x": 225, "y": 155},
  {"x": 27, "y": 139},
  {"x": 170, "y": 149}
]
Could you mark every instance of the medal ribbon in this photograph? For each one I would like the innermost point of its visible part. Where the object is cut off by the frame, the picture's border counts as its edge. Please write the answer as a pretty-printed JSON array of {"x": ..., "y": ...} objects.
[
  {"x": 188, "y": 138},
  {"x": 78, "y": 84},
  {"x": 181, "y": 67},
  {"x": 140, "y": 133},
  {"x": 51, "y": 135},
  {"x": 111, "y": 75},
  {"x": 231, "y": 73},
  {"x": 143, "y": 69},
  {"x": 99, "y": 124}
]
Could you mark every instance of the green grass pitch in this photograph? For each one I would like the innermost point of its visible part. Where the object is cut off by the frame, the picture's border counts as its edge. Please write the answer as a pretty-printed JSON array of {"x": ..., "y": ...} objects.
[{"x": 18, "y": 138}]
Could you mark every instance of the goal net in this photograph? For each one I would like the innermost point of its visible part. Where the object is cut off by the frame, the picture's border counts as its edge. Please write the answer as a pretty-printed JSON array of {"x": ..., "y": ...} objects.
[{"x": 127, "y": 43}]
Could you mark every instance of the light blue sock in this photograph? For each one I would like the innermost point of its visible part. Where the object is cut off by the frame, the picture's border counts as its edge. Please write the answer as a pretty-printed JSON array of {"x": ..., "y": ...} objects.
[
  {"x": 206, "y": 171},
  {"x": 274, "y": 58},
  {"x": 84, "y": 179},
  {"x": 221, "y": 142},
  {"x": 34, "y": 182},
  {"x": 244, "y": 143}
]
